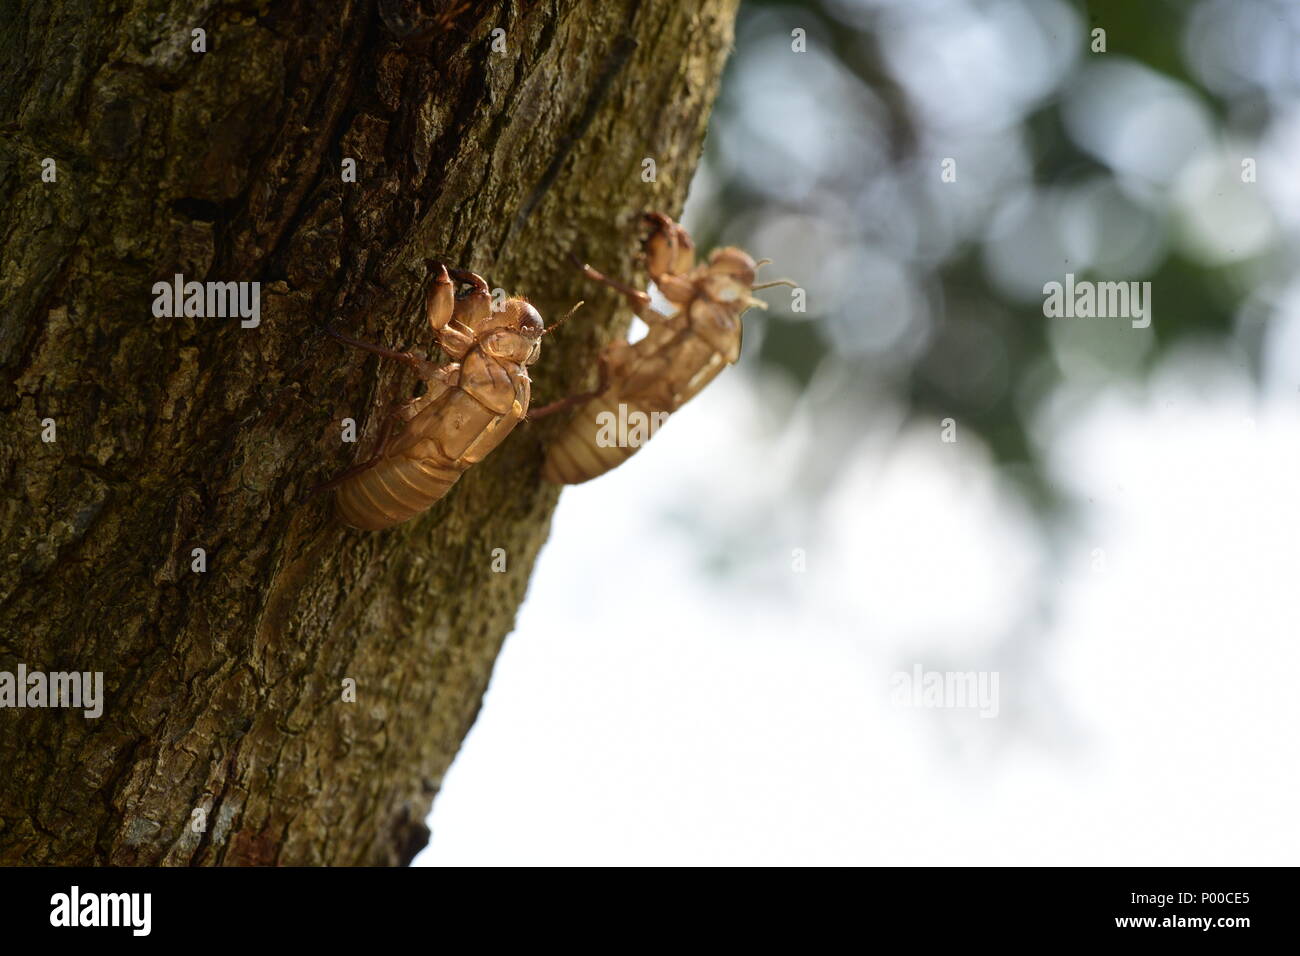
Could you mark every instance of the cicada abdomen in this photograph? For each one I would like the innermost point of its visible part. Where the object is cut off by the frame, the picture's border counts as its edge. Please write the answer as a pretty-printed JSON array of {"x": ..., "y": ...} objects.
[
  {"x": 646, "y": 382},
  {"x": 458, "y": 429}
]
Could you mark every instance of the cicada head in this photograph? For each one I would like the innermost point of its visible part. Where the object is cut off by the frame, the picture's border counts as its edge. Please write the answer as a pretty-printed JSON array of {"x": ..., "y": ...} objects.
[
  {"x": 723, "y": 291},
  {"x": 729, "y": 277},
  {"x": 734, "y": 264},
  {"x": 513, "y": 332}
]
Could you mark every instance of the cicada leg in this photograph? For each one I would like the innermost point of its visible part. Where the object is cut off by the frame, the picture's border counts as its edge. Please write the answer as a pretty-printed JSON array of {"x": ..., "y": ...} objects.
[
  {"x": 638, "y": 300},
  {"x": 669, "y": 251},
  {"x": 443, "y": 376},
  {"x": 476, "y": 305},
  {"x": 423, "y": 367},
  {"x": 574, "y": 400}
]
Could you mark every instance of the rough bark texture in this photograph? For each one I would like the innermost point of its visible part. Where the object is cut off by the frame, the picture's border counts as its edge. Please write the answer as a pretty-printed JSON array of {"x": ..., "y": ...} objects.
[{"x": 223, "y": 689}]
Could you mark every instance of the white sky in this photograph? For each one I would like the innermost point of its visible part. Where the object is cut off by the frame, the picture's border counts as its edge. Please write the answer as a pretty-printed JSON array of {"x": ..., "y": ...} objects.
[
  {"x": 646, "y": 711},
  {"x": 659, "y": 705}
]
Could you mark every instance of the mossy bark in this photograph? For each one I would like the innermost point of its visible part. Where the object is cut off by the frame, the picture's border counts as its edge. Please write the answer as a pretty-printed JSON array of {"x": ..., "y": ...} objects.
[{"x": 224, "y": 689}]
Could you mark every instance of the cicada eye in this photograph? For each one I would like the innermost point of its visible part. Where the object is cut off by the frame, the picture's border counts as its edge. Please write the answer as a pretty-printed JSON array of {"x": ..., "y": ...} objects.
[
  {"x": 733, "y": 262},
  {"x": 530, "y": 322}
]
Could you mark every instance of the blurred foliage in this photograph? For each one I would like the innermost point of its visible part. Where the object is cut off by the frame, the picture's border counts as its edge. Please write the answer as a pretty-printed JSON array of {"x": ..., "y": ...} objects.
[{"x": 1116, "y": 165}]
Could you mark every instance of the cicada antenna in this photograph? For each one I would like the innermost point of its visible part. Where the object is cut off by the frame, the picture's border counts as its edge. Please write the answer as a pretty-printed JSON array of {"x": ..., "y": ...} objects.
[
  {"x": 566, "y": 318},
  {"x": 767, "y": 285}
]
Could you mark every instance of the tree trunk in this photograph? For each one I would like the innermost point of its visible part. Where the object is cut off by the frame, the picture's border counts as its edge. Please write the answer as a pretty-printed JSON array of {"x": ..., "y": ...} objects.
[{"x": 225, "y": 736}]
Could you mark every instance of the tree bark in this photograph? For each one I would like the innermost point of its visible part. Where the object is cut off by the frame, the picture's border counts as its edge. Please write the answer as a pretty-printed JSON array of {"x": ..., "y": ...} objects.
[{"x": 224, "y": 688}]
